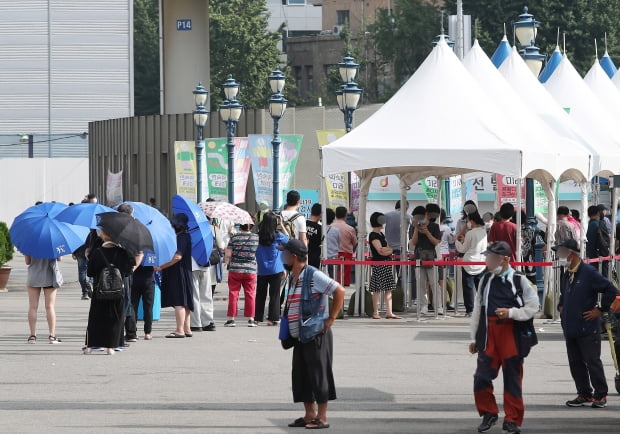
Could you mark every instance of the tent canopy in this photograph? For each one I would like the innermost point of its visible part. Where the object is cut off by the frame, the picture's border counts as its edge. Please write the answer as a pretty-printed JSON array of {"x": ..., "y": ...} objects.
[
  {"x": 442, "y": 123},
  {"x": 573, "y": 160},
  {"x": 599, "y": 83}
]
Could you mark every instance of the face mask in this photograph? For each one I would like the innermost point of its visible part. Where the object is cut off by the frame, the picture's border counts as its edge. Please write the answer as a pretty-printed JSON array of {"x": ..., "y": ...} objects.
[
  {"x": 564, "y": 262},
  {"x": 497, "y": 270},
  {"x": 99, "y": 233},
  {"x": 422, "y": 222},
  {"x": 434, "y": 215},
  {"x": 468, "y": 225},
  {"x": 288, "y": 267}
]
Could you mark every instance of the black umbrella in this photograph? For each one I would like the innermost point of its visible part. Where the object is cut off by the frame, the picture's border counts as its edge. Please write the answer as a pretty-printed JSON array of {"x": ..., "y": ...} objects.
[{"x": 126, "y": 231}]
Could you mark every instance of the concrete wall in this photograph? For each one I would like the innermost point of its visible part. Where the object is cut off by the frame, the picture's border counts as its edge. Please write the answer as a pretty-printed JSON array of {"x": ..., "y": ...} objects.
[
  {"x": 184, "y": 53},
  {"x": 25, "y": 181},
  {"x": 361, "y": 12}
]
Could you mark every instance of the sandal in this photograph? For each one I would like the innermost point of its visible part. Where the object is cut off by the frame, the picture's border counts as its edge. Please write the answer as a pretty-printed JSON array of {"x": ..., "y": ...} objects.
[
  {"x": 53, "y": 340},
  {"x": 298, "y": 423},
  {"x": 175, "y": 335},
  {"x": 32, "y": 339},
  {"x": 317, "y": 424},
  {"x": 376, "y": 317},
  {"x": 393, "y": 317}
]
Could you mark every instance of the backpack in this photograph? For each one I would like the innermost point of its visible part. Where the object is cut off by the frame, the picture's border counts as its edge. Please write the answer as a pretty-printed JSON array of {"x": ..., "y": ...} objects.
[
  {"x": 524, "y": 331},
  {"x": 289, "y": 225},
  {"x": 110, "y": 284}
]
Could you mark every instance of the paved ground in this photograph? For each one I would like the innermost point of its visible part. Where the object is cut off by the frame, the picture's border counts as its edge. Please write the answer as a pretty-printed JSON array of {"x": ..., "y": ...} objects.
[{"x": 392, "y": 377}]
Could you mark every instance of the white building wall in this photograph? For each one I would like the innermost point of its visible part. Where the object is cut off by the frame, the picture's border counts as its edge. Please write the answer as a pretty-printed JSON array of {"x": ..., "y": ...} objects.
[
  {"x": 64, "y": 63},
  {"x": 305, "y": 17}
]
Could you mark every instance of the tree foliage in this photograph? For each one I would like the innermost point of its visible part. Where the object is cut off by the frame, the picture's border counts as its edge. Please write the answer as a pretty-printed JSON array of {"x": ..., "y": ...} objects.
[
  {"x": 404, "y": 38},
  {"x": 242, "y": 45},
  {"x": 146, "y": 57},
  {"x": 581, "y": 20}
]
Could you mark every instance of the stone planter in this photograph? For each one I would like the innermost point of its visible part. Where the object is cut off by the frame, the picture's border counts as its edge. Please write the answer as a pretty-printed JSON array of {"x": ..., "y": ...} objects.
[{"x": 4, "y": 278}]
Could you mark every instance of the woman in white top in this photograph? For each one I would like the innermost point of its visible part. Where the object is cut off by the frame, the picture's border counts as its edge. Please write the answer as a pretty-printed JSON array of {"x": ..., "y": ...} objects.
[{"x": 472, "y": 244}]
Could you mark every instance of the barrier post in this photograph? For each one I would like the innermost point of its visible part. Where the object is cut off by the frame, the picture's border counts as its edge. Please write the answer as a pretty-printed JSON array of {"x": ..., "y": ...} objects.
[
  {"x": 419, "y": 295},
  {"x": 557, "y": 273},
  {"x": 458, "y": 286},
  {"x": 404, "y": 281}
]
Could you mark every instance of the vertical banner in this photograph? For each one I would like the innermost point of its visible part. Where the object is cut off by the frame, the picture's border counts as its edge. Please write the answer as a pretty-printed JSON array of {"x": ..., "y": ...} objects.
[
  {"x": 337, "y": 185},
  {"x": 429, "y": 186},
  {"x": 185, "y": 168},
  {"x": 507, "y": 190},
  {"x": 308, "y": 198},
  {"x": 114, "y": 188},
  {"x": 261, "y": 159},
  {"x": 217, "y": 168},
  {"x": 356, "y": 184},
  {"x": 541, "y": 203},
  {"x": 456, "y": 195}
]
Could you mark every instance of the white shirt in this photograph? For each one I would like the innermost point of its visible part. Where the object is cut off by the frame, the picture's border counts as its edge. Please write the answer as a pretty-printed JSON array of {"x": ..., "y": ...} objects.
[
  {"x": 444, "y": 243},
  {"x": 473, "y": 245},
  {"x": 299, "y": 224}
]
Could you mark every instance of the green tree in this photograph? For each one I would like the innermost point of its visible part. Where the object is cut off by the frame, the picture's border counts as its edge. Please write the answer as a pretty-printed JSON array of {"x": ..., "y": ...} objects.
[
  {"x": 242, "y": 45},
  {"x": 581, "y": 20},
  {"x": 146, "y": 57},
  {"x": 403, "y": 39}
]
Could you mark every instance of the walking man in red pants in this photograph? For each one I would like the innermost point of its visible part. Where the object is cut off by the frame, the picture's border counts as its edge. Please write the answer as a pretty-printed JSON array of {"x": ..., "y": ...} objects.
[{"x": 504, "y": 299}]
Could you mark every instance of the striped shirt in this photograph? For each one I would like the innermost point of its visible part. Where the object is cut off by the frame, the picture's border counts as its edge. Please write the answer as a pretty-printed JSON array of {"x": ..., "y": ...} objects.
[
  {"x": 243, "y": 258},
  {"x": 321, "y": 286}
]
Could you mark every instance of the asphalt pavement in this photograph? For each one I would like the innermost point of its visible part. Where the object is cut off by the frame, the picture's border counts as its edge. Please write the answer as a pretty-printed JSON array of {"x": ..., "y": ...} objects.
[{"x": 392, "y": 376}]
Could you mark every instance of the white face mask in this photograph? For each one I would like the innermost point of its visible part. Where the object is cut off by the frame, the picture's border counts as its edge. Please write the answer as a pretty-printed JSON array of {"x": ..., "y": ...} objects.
[
  {"x": 488, "y": 225},
  {"x": 564, "y": 262},
  {"x": 468, "y": 225},
  {"x": 497, "y": 270}
]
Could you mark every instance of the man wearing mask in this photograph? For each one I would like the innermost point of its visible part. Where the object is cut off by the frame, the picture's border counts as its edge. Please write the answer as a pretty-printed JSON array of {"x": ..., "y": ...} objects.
[
  {"x": 580, "y": 312},
  {"x": 504, "y": 298}
]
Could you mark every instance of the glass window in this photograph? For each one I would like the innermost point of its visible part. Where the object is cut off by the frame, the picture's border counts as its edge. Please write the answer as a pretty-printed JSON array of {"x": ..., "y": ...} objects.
[
  {"x": 310, "y": 78},
  {"x": 342, "y": 17},
  {"x": 295, "y": 2}
]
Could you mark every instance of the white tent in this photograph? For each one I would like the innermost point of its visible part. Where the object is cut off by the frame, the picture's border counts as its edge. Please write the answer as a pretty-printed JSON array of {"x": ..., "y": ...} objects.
[
  {"x": 542, "y": 104},
  {"x": 573, "y": 159},
  {"x": 599, "y": 83},
  {"x": 572, "y": 93},
  {"x": 441, "y": 123}
]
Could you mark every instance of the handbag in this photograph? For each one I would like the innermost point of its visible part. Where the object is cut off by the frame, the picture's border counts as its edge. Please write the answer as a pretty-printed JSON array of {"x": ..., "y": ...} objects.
[
  {"x": 312, "y": 318},
  {"x": 214, "y": 257},
  {"x": 284, "y": 333}
]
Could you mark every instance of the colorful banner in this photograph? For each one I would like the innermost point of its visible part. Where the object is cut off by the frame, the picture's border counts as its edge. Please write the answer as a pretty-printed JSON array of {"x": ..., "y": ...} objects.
[
  {"x": 541, "y": 203},
  {"x": 356, "y": 189},
  {"x": 337, "y": 185},
  {"x": 114, "y": 188},
  {"x": 261, "y": 158},
  {"x": 308, "y": 198},
  {"x": 429, "y": 186},
  {"x": 185, "y": 169},
  {"x": 217, "y": 168}
]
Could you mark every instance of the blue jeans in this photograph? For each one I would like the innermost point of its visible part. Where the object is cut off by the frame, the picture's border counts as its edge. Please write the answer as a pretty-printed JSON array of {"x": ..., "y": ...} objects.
[
  {"x": 470, "y": 284},
  {"x": 82, "y": 266}
]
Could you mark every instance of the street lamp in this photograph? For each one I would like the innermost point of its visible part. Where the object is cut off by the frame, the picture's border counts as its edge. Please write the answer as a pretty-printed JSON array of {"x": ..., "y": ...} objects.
[
  {"x": 526, "y": 29},
  {"x": 201, "y": 115},
  {"x": 348, "y": 96},
  {"x": 277, "y": 107},
  {"x": 230, "y": 112}
]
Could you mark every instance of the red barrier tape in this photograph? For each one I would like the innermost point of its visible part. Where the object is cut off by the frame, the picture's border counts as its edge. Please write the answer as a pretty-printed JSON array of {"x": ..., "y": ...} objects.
[{"x": 428, "y": 263}]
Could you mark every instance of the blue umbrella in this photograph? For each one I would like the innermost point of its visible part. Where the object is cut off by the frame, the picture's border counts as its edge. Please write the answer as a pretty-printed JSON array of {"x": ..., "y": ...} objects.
[
  {"x": 164, "y": 238},
  {"x": 608, "y": 65},
  {"x": 51, "y": 209},
  {"x": 43, "y": 237},
  {"x": 552, "y": 63},
  {"x": 83, "y": 214},
  {"x": 502, "y": 52},
  {"x": 198, "y": 226}
]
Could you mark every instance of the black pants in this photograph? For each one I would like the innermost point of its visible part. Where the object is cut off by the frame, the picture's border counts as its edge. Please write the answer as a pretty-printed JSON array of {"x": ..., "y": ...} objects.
[
  {"x": 268, "y": 284},
  {"x": 144, "y": 289},
  {"x": 470, "y": 285},
  {"x": 586, "y": 368},
  {"x": 313, "y": 379}
]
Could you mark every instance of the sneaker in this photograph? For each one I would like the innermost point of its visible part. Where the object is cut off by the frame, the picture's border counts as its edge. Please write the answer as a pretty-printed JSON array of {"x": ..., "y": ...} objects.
[
  {"x": 451, "y": 307},
  {"x": 440, "y": 311},
  {"x": 511, "y": 428},
  {"x": 230, "y": 323},
  {"x": 252, "y": 323},
  {"x": 424, "y": 310},
  {"x": 600, "y": 403},
  {"x": 209, "y": 328},
  {"x": 488, "y": 420},
  {"x": 85, "y": 297},
  {"x": 580, "y": 401},
  {"x": 131, "y": 339}
]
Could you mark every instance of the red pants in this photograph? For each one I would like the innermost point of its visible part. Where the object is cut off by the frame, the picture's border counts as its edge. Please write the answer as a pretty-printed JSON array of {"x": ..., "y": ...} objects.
[
  {"x": 235, "y": 282},
  {"x": 501, "y": 351},
  {"x": 346, "y": 280}
]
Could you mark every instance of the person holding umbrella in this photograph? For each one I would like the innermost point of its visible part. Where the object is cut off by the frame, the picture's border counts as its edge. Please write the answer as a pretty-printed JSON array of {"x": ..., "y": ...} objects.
[
  {"x": 177, "y": 282},
  {"x": 43, "y": 275}
]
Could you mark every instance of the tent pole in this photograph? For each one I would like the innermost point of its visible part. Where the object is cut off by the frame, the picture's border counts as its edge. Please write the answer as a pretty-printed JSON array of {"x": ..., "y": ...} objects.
[
  {"x": 584, "y": 216},
  {"x": 360, "y": 295},
  {"x": 404, "y": 271},
  {"x": 549, "y": 277},
  {"x": 614, "y": 216},
  {"x": 518, "y": 210}
]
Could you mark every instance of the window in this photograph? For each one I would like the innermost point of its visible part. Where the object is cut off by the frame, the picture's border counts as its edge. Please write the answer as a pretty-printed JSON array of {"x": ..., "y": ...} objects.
[
  {"x": 297, "y": 73},
  {"x": 309, "y": 78},
  {"x": 342, "y": 18},
  {"x": 294, "y": 2}
]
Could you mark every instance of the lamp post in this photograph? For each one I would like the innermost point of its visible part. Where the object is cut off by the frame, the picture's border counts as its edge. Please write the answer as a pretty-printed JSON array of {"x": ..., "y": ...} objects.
[
  {"x": 230, "y": 112},
  {"x": 201, "y": 115},
  {"x": 348, "y": 96},
  {"x": 277, "y": 107},
  {"x": 525, "y": 30}
]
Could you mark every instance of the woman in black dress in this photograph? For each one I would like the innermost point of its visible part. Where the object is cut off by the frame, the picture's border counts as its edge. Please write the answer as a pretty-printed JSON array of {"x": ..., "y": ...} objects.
[
  {"x": 106, "y": 317},
  {"x": 177, "y": 283},
  {"x": 382, "y": 278}
]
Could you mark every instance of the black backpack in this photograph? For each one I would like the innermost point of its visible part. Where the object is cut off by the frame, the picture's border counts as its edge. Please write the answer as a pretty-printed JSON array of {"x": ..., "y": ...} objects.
[{"x": 110, "y": 284}]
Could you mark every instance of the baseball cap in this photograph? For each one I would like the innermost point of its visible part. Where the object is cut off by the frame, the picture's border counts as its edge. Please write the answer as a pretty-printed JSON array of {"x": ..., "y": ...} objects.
[
  {"x": 296, "y": 247},
  {"x": 501, "y": 248},
  {"x": 569, "y": 244}
]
